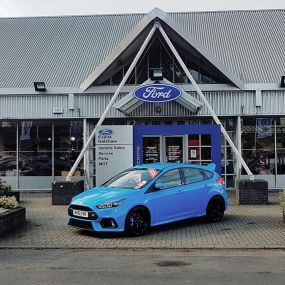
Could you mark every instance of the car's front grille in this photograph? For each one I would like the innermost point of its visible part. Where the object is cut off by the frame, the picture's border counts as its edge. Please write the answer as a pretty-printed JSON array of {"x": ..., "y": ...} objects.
[
  {"x": 81, "y": 208},
  {"x": 91, "y": 214},
  {"x": 80, "y": 224}
]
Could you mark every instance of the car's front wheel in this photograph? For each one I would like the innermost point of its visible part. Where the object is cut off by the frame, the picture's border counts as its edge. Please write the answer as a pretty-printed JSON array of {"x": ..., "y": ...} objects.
[
  {"x": 137, "y": 222},
  {"x": 215, "y": 209}
]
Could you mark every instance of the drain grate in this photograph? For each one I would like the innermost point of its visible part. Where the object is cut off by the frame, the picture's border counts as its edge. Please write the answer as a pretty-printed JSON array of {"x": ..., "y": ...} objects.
[{"x": 172, "y": 263}]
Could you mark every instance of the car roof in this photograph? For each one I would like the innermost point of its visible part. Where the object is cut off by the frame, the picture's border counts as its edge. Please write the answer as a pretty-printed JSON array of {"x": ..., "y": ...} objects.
[{"x": 163, "y": 166}]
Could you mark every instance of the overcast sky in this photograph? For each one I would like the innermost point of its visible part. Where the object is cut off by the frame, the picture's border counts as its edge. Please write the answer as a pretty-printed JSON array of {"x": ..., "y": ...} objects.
[{"x": 20, "y": 8}]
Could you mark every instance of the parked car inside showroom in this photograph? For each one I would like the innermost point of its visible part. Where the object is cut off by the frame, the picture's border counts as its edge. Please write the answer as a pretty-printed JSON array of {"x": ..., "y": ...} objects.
[{"x": 150, "y": 195}]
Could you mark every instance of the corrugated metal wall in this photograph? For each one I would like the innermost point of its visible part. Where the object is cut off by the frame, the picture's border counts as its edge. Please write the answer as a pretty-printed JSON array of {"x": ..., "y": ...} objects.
[
  {"x": 63, "y": 51},
  {"x": 92, "y": 105},
  {"x": 250, "y": 44},
  {"x": 273, "y": 102}
]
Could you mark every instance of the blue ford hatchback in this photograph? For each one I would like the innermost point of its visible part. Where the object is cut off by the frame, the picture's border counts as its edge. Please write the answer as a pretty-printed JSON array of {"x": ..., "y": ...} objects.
[{"x": 150, "y": 195}]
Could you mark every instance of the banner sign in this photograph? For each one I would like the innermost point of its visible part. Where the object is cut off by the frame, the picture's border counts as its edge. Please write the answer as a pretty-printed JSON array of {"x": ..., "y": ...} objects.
[
  {"x": 264, "y": 127},
  {"x": 26, "y": 130},
  {"x": 114, "y": 151},
  {"x": 157, "y": 93}
]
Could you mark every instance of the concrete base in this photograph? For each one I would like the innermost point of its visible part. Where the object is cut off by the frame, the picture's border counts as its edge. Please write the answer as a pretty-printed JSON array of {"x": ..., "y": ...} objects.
[
  {"x": 63, "y": 192},
  {"x": 252, "y": 192},
  {"x": 12, "y": 219}
]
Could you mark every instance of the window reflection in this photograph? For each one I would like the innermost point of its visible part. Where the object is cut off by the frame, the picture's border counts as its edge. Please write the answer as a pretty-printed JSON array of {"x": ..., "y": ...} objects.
[
  {"x": 8, "y": 164},
  {"x": 170, "y": 179},
  {"x": 259, "y": 145},
  {"x": 68, "y": 142},
  {"x": 157, "y": 55},
  {"x": 280, "y": 145},
  {"x": 35, "y": 148},
  {"x": 8, "y": 148}
]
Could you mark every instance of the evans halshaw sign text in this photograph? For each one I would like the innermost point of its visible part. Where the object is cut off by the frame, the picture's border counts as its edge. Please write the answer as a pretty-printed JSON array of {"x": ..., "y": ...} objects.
[{"x": 157, "y": 93}]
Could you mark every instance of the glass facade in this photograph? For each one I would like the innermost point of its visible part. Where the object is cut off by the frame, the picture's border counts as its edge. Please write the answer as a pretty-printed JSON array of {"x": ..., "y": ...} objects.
[
  {"x": 68, "y": 142},
  {"x": 263, "y": 148},
  {"x": 35, "y": 151},
  {"x": 45, "y": 150},
  {"x": 158, "y": 55},
  {"x": 8, "y": 148},
  {"x": 280, "y": 145},
  {"x": 35, "y": 148}
]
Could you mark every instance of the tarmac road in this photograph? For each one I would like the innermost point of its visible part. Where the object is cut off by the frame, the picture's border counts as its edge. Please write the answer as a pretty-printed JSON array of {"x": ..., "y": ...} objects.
[{"x": 60, "y": 266}]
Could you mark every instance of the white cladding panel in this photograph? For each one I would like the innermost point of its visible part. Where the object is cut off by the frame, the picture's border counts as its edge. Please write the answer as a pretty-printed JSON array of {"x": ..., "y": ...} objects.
[{"x": 224, "y": 103}]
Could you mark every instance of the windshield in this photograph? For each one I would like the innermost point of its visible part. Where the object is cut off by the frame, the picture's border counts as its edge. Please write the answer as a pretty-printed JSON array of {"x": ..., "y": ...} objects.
[{"x": 134, "y": 178}]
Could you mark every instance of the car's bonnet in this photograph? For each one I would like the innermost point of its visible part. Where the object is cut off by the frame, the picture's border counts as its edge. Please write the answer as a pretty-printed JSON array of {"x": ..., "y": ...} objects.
[{"x": 101, "y": 195}]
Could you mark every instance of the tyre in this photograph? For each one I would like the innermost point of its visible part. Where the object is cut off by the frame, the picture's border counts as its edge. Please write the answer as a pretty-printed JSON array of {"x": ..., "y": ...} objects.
[
  {"x": 215, "y": 209},
  {"x": 137, "y": 222}
]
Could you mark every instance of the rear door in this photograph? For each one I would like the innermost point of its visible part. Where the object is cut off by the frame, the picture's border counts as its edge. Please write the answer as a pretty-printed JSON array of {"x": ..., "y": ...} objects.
[{"x": 197, "y": 188}]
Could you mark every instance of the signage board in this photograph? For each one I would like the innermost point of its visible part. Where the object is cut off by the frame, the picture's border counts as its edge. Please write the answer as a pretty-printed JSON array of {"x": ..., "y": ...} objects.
[
  {"x": 114, "y": 151},
  {"x": 157, "y": 93}
]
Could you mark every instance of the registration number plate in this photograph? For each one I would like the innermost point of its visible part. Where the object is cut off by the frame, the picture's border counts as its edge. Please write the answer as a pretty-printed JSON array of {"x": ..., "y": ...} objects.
[{"x": 79, "y": 213}]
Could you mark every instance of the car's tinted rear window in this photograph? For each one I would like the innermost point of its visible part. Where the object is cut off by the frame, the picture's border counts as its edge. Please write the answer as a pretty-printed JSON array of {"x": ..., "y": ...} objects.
[{"x": 193, "y": 175}]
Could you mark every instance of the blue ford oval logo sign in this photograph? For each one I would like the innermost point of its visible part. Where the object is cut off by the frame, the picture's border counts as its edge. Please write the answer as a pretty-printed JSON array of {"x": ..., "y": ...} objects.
[
  {"x": 157, "y": 93},
  {"x": 105, "y": 132}
]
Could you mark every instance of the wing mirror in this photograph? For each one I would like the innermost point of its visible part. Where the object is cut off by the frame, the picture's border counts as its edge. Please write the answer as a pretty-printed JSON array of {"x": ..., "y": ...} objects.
[{"x": 160, "y": 186}]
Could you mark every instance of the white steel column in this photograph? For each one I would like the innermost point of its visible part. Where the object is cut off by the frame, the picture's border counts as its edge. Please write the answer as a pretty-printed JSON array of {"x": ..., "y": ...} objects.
[
  {"x": 239, "y": 145},
  {"x": 216, "y": 119},
  {"x": 86, "y": 158},
  {"x": 68, "y": 177}
]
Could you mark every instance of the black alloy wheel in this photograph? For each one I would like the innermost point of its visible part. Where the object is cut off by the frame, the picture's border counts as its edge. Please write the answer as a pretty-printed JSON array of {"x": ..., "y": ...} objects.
[
  {"x": 215, "y": 210},
  {"x": 137, "y": 222}
]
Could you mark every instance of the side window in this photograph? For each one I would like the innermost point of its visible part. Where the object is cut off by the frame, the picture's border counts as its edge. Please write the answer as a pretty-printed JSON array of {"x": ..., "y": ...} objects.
[
  {"x": 192, "y": 175},
  {"x": 170, "y": 179},
  {"x": 207, "y": 174}
]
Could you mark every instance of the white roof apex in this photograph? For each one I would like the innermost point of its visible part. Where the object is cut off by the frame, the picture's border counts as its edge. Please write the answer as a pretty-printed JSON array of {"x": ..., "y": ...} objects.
[
  {"x": 157, "y": 13},
  {"x": 148, "y": 18}
]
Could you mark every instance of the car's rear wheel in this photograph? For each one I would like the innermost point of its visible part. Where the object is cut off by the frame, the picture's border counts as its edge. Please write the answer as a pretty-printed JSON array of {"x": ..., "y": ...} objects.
[
  {"x": 137, "y": 222},
  {"x": 215, "y": 209}
]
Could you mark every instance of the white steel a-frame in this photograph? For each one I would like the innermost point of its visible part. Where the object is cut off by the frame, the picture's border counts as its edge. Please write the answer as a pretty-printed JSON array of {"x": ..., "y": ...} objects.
[{"x": 196, "y": 87}]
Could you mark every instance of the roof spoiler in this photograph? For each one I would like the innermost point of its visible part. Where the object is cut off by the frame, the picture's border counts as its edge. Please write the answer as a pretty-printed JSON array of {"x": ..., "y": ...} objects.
[{"x": 212, "y": 166}]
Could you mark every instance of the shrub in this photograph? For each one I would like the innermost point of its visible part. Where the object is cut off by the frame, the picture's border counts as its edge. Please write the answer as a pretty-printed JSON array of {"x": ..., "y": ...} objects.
[
  {"x": 5, "y": 188},
  {"x": 282, "y": 200},
  {"x": 8, "y": 202}
]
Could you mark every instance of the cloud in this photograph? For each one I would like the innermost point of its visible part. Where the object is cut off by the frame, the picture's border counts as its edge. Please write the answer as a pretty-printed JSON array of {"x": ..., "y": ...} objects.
[
  {"x": 4, "y": 12},
  {"x": 9, "y": 8}
]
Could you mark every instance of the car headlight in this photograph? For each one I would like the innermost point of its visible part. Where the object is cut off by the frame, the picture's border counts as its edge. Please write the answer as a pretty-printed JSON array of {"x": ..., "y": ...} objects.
[{"x": 110, "y": 204}]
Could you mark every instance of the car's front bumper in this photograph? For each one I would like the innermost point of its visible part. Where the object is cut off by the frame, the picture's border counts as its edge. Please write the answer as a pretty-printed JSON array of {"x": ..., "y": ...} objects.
[{"x": 104, "y": 220}]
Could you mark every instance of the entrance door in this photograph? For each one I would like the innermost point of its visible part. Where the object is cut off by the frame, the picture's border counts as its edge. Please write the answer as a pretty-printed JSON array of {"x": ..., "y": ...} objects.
[{"x": 173, "y": 149}]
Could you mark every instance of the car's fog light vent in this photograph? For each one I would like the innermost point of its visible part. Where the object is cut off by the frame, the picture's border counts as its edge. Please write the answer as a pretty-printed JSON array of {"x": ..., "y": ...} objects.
[{"x": 108, "y": 223}]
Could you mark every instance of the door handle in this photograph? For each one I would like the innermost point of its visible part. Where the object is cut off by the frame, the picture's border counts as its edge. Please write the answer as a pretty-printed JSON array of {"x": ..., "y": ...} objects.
[{"x": 179, "y": 192}]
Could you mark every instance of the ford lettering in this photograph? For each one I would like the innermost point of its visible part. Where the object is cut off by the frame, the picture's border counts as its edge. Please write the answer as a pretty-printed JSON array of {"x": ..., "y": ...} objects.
[
  {"x": 157, "y": 93},
  {"x": 105, "y": 132}
]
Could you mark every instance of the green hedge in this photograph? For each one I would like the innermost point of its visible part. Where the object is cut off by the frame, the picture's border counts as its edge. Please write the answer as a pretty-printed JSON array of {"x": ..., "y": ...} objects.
[
  {"x": 5, "y": 188},
  {"x": 8, "y": 202}
]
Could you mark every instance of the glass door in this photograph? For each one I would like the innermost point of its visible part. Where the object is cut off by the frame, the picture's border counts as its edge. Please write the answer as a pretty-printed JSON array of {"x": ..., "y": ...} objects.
[{"x": 173, "y": 149}]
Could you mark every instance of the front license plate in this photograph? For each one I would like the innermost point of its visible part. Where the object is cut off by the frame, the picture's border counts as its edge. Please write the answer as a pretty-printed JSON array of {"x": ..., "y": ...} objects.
[{"x": 79, "y": 213}]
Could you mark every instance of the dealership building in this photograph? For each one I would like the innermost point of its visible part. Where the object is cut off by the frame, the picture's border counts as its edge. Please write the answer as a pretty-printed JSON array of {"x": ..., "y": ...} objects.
[{"x": 58, "y": 74}]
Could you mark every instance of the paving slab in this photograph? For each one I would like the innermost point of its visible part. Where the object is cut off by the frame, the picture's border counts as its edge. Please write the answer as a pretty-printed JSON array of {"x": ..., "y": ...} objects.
[{"x": 243, "y": 227}]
